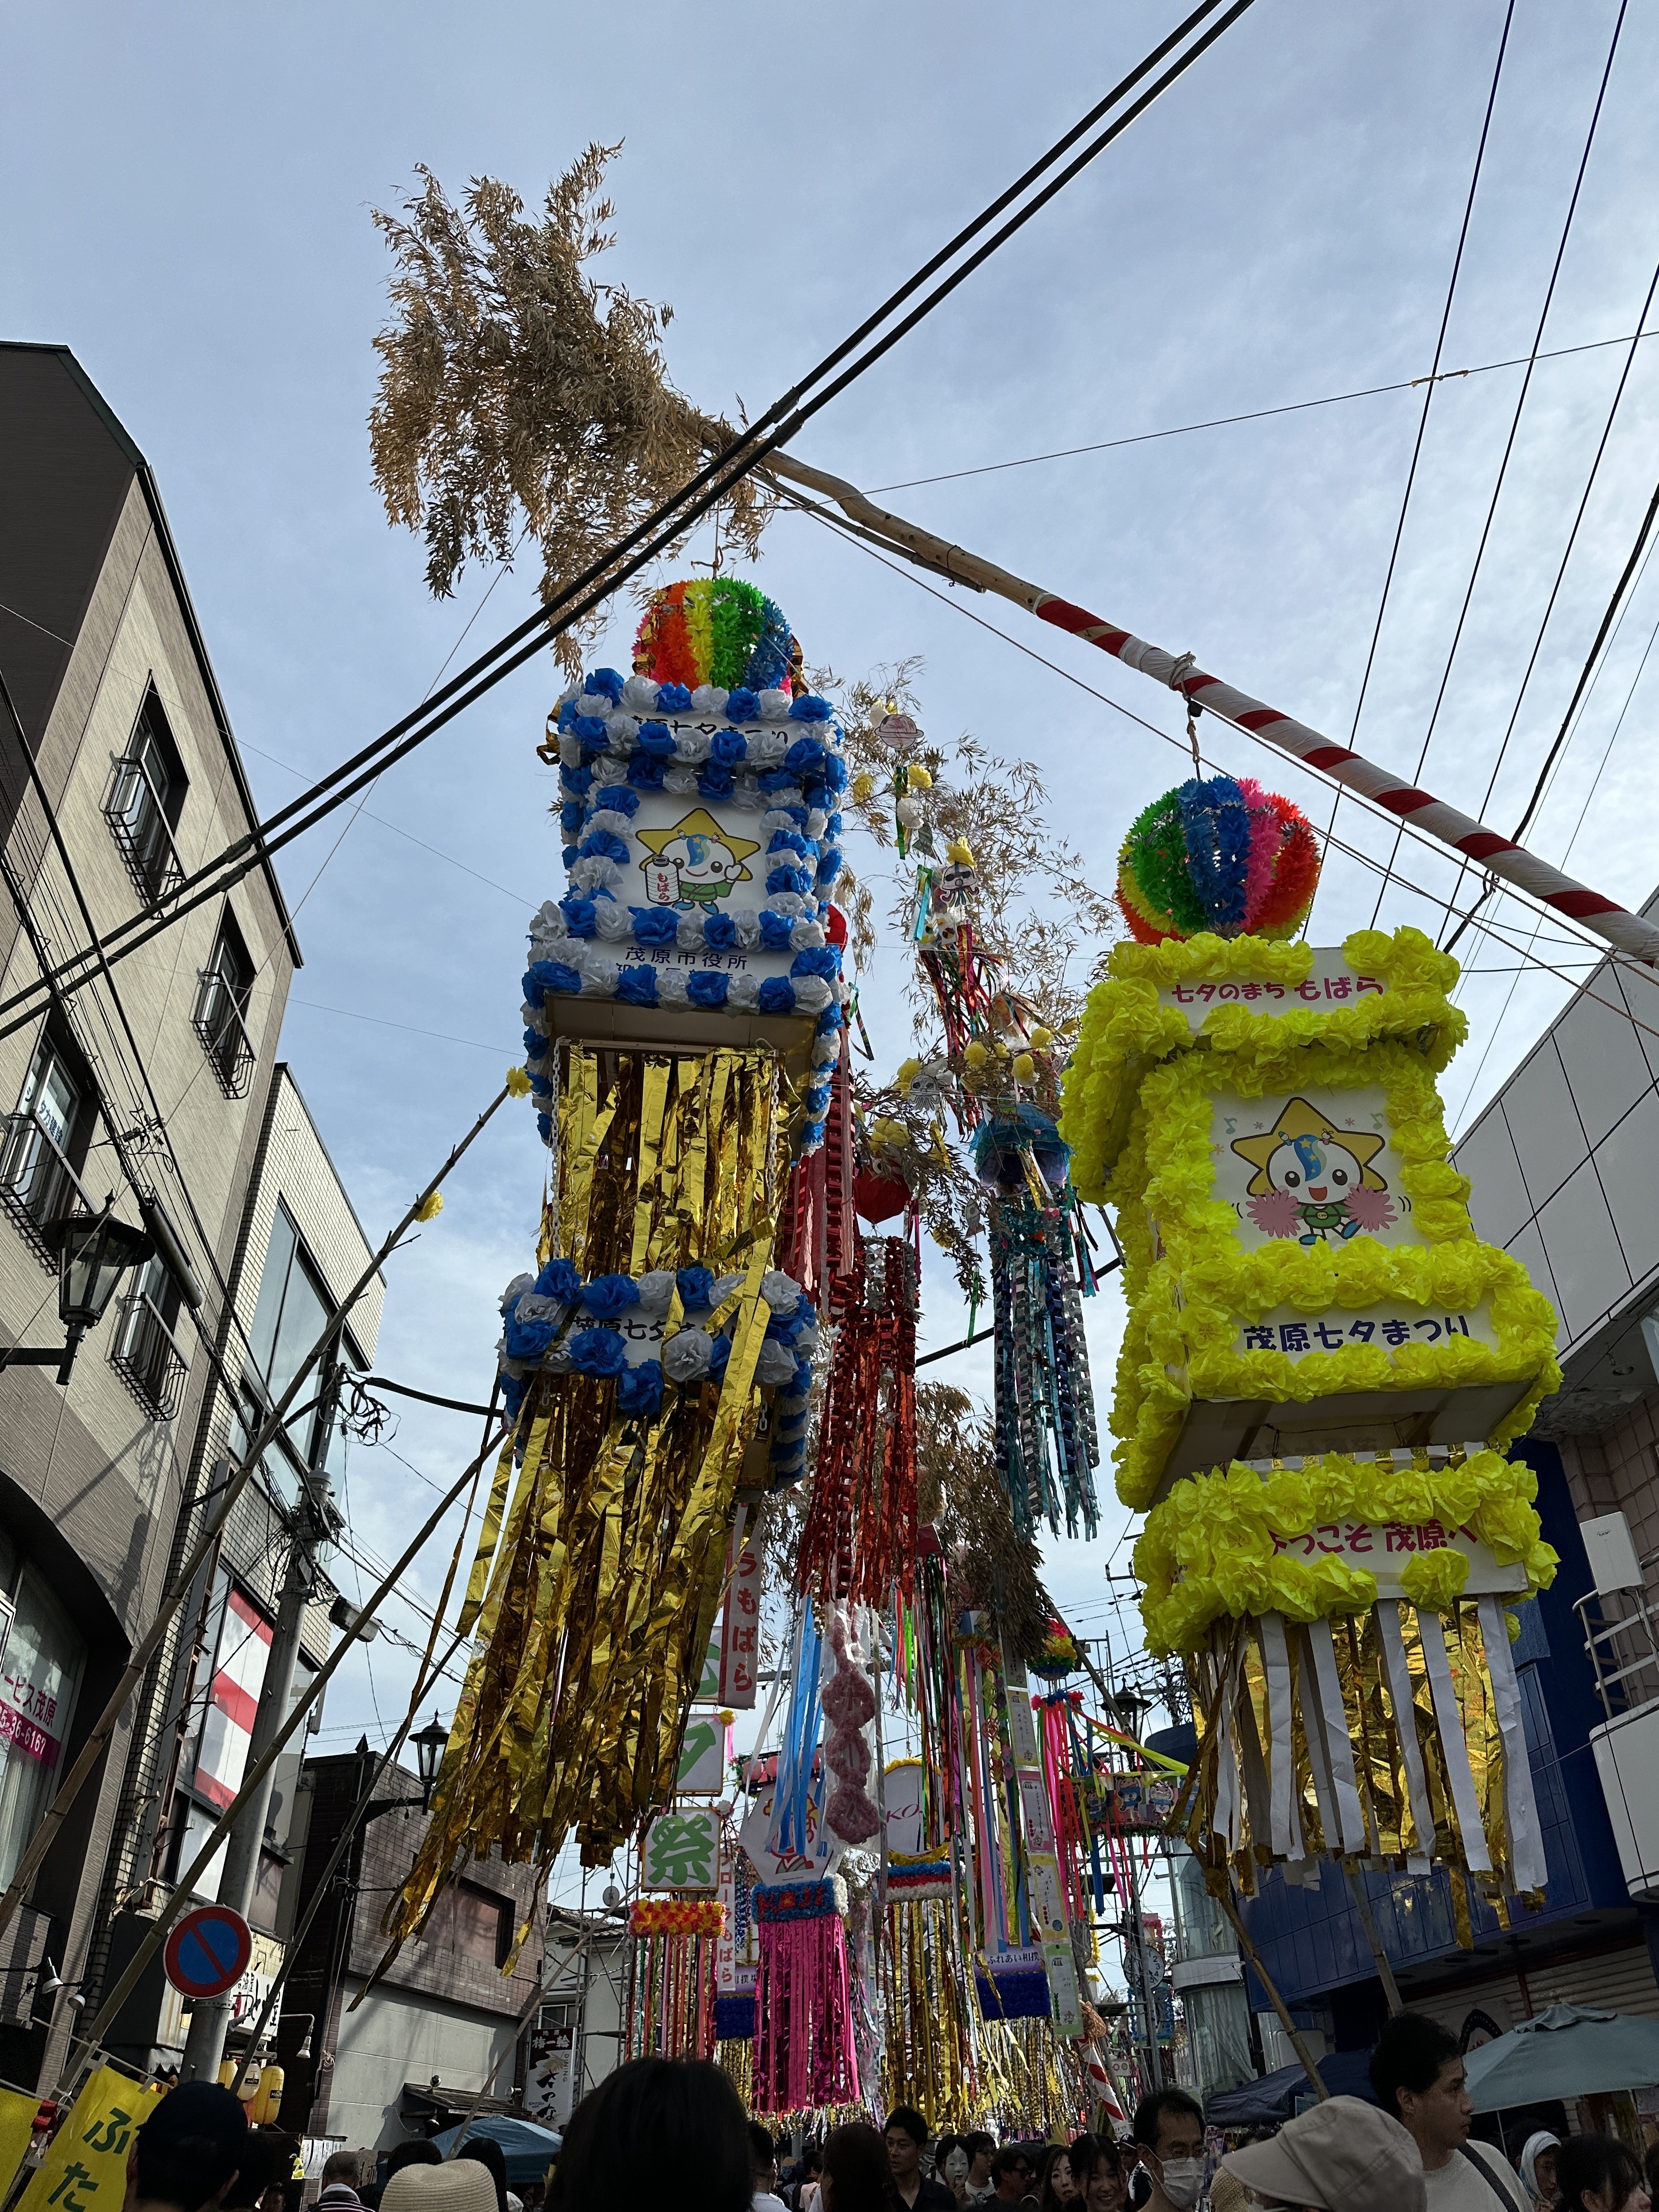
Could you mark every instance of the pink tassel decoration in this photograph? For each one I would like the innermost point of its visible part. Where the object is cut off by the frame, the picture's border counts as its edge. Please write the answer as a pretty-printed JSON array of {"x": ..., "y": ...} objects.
[{"x": 803, "y": 2050}]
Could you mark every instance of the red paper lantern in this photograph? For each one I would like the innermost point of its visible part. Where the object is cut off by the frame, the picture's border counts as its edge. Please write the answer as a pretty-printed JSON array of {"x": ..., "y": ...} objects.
[{"x": 878, "y": 1197}]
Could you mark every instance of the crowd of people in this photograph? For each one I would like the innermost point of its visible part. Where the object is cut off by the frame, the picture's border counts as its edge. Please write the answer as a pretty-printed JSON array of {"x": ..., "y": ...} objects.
[{"x": 674, "y": 2131}]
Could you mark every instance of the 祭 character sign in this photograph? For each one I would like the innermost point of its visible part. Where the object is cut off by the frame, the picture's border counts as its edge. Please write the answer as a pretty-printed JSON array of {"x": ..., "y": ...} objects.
[
  {"x": 1313, "y": 1181},
  {"x": 693, "y": 862}
]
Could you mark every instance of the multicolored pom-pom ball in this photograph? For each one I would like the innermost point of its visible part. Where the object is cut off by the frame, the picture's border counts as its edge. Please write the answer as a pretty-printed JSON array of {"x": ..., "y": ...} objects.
[
  {"x": 717, "y": 630},
  {"x": 1222, "y": 855}
]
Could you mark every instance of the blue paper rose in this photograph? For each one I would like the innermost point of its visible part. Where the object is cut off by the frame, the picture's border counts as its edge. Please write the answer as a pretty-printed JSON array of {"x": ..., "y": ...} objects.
[
  {"x": 673, "y": 699},
  {"x": 617, "y": 797},
  {"x": 654, "y": 925},
  {"x": 714, "y": 781},
  {"x": 775, "y": 929},
  {"x": 639, "y": 1390},
  {"x": 741, "y": 705},
  {"x": 561, "y": 1280},
  {"x": 788, "y": 879},
  {"x": 696, "y": 1288},
  {"x": 591, "y": 731},
  {"x": 656, "y": 738},
  {"x": 596, "y": 1352},
  {"x": 720, "y": 930},
  {"x": 526, "y": 1340},
  {"x": 572, "y": 815},
  {"x": 607, "y": 1296},
  {"x": 817, "y": 960},
  {"x": 637, "y": 986},
  {"x": 576, "y": 781},
  {"x": 729, "y": 747},
  {"x": 644, "y": 773},
  {"x": 705, "y": 988},
  {"x": 810, "y": 708},
  {"x": 719, "y": 1357},
  {"x": 607, "y": 681},
  {"x": 602, "y": 845},
  {"x": 777, "y": 995},
  {"x": 829, "y": 865}
]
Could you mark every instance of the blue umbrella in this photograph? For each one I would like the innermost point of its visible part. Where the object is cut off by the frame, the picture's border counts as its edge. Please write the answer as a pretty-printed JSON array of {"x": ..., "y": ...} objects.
[
  {"x": 1567, "y": 2052},
  {"x": 528, "y": 2149}
]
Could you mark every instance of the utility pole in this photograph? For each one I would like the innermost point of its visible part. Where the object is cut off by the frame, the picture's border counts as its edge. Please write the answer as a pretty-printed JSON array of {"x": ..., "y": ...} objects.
[{"x": 315, "y": 1523}]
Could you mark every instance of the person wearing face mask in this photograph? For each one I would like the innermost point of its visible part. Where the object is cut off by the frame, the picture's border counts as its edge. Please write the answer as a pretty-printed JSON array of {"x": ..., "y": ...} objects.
[{"x": 1169, "y": 2141}]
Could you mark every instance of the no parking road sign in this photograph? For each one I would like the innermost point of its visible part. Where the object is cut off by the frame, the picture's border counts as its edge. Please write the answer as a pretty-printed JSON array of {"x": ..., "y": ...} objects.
[{"x": 208, "y": 1951}]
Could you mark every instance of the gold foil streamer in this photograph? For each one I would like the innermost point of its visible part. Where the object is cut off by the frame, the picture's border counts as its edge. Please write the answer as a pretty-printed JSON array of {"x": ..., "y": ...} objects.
[{"x": 591, "y": 1592}]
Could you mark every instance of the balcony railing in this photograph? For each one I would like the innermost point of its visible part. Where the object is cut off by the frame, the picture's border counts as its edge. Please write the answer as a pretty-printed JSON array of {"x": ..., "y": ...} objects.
[
  {"x": 37, "y": 1183},
  {"x": 137, "y": 819},
  {"x": 147, "y": 1358},
  {"x": 219, "y": 1023}
]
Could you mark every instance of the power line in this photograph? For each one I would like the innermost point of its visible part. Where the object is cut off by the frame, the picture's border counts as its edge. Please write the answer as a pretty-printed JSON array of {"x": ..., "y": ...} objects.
[
  {"x": 1514, "y": 420},
  {"x": 1428, "y": 396},
  {"x": 667, "y": 525},
  {"x": 1257, "y": 414}
]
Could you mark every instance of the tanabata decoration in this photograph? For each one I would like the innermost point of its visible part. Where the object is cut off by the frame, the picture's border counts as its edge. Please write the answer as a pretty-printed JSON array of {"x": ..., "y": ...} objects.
[
  {"x": 655, "y": 1322},
  {"x": 849, "y": 1706},
  {"x": 1218, "y": 854},
  {"x": 1047, "y": 1446},
  {"x": 1322, "y": 1366},
  {"x": 803, "y": 2048},
  {"x": 700, "y": 823},
  {"x": 860, "y": 1532},
  {"x": 671, "y": 1996}
]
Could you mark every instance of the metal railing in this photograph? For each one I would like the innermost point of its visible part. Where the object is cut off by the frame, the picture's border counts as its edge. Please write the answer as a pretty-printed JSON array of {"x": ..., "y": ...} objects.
[
  {"x": 147, "y": 1358},
  {"x": 37, "y": 1183},
  {"x": 1624, "y": 1652},
  {"x": 218, "y": 1021},
  {"x": 137, "y": 819}
]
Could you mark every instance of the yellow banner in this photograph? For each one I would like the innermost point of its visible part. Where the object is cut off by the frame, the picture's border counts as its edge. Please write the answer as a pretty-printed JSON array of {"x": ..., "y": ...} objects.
[
  {"x": 17, "y": 2111},
  {"x": 85, "y": 2168}
]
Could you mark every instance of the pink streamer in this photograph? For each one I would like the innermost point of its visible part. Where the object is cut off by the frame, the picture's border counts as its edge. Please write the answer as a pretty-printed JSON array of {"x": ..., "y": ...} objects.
[
  {"x": 1265, "y": 841},
  {"x": 803, "y": 2050}
]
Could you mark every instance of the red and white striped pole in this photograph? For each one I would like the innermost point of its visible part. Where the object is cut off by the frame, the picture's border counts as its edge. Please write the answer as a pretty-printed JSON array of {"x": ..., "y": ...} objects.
[{"x": 1487, "y": 848}]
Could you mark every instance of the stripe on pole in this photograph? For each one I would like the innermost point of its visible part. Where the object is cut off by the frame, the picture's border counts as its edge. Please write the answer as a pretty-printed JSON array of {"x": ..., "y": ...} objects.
[{"x": 1630, "y": 932}]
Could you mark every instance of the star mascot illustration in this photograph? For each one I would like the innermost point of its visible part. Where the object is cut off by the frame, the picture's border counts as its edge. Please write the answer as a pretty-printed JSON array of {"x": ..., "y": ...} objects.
[
  {"x": 1313, "y": 1182},
  {"x": 693, "y": 862}
]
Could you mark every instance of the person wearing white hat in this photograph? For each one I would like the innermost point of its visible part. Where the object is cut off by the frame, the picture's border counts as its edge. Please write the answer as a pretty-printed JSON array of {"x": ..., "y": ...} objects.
[
  {"x": 459, "y": 2184},
  {"x": 1345, "y": 2155}
]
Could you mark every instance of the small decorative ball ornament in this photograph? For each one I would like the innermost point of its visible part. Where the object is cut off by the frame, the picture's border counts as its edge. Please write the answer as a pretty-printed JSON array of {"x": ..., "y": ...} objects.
[{"x": 1218, "y": 853}]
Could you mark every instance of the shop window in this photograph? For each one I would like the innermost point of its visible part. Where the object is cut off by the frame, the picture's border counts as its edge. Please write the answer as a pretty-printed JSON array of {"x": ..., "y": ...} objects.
[
  {"x": 291, "y": 1313},
  {"x": 40, "y": 1671}
]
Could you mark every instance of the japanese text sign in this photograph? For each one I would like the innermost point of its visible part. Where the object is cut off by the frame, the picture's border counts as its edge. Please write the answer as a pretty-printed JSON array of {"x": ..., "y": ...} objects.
[
  {"x": 85, "y": 2169},
  {"x": 740, "y": 1631}
]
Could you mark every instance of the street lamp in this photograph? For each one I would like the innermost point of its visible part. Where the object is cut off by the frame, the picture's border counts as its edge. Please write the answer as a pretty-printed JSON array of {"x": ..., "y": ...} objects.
[
  {"x": 429, "y": 1743},
  {"x": 94, "y": 1250}
]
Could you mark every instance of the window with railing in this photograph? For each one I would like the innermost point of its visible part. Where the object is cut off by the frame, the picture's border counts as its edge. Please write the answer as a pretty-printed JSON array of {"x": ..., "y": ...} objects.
[
  {"x": 38, "y": 1181},
  {"x": 143, "y": 803},
  {"x": 144, "y": 1352},
  {"x": 222, "y": 1002}
]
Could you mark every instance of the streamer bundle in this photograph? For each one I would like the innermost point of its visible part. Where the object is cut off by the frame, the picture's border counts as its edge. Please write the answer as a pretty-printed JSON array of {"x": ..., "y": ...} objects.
[
  {"x": 671, "y": 1995},
  {"x": 1046, "y": 1440},
  {"x": 598, "y": 1568},
  {"x": 860, "y": 1536},
  {"x": 1322, "y": 1366},
  {"x": 803, "y": 2048}
]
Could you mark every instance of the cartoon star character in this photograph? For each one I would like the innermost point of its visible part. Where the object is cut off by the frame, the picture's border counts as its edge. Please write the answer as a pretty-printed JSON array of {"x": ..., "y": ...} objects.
[
  {"x": 693, "y": 862},
  {"x": 1313, "y": 1182}
]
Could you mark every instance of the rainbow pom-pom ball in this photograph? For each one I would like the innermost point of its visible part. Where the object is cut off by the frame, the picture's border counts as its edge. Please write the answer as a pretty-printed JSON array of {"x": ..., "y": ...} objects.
[
  {"x": 717, "y": 630},
  {"x": 1218, "y": 853}
]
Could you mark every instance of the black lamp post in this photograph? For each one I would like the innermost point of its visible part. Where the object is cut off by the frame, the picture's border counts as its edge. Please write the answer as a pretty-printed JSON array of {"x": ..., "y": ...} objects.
[
  {"x": 429, "y": 1743},
  {"x": 94, "y": 1250}
]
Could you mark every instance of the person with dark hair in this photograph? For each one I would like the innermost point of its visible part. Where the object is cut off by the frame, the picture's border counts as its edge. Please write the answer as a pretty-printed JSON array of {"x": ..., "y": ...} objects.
[
  {"x": 1097, "y": 2170},
  {"x": 265, "y": 2173},
  {"x": 188, "y": 2152},
  {"x": 1168, "y": 2131},
  {"x": 1011, "y": 2175},
  {"x": 653, "y": 2116},
  {"x": 858, "y": 2173},
  {"x": 1416, "y": 2072},
  {"x": 979, "y": 2148},
  {"x": 812, "y": 2166},
  {"x": 487, "y": 2154},
  {"x": 1598, "y": 2173},
  {"x": 763, "y": 2153},
  {"x": 342, "y": 2171},
  {"x": 907, "y": 2139},
  {"x": 1056, "y": 2186}
]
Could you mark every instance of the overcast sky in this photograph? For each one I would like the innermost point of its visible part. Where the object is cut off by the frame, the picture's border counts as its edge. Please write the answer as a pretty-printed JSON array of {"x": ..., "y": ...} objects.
[{"x": 190, "y": 190}]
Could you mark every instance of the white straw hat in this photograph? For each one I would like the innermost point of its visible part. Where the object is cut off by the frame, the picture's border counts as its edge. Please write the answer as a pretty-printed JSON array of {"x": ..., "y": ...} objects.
[
  {"x": 459, "y": 2184},
  {"x": 1343, "y": 2156}
]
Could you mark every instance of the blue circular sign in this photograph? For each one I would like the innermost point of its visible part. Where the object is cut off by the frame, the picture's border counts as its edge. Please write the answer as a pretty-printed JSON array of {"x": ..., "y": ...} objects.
[{"x": 208, "y": 1951}]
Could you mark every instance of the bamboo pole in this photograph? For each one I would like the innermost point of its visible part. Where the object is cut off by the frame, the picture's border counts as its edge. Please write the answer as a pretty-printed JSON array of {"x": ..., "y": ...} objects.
[
  {"x": 1309, "y": 2064},
  {"x": 1472, "y": 840}
]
